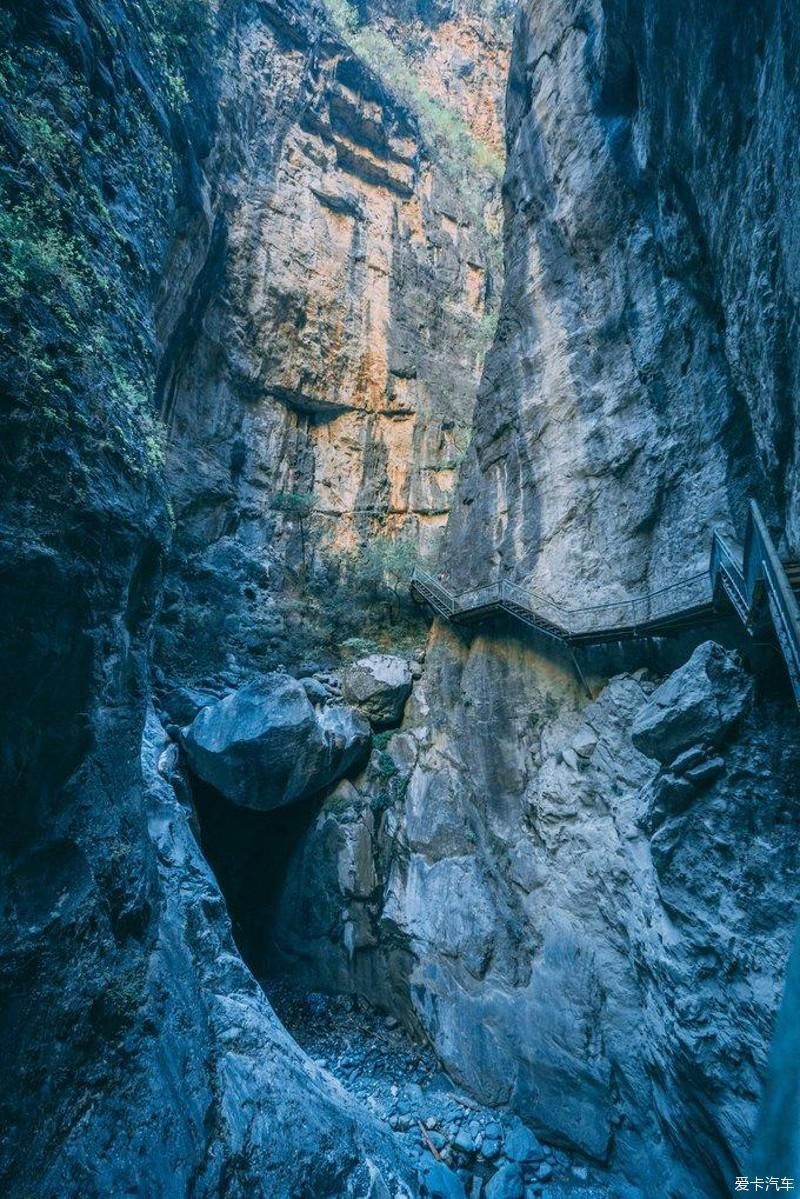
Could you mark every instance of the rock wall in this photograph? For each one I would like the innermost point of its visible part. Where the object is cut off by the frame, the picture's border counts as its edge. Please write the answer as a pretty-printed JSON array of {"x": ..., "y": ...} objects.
[
  {"x": 588, "y": 907},
  {"x": 137, "y": 1053},
  {"x": 340, "y": 318},
  {"x": 585, "y": 907},
  {"x": 643, "y": 378}
]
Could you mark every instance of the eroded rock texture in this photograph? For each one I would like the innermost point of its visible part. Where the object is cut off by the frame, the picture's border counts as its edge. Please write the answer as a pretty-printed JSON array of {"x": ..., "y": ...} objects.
[
  {"x": 341, "y": 308},
  {"x": 588, "y": 907},
  {"x": 137, "y": 1054},
  {"x": 644, "y": 374},
  {"x": 586, "y": 935}
]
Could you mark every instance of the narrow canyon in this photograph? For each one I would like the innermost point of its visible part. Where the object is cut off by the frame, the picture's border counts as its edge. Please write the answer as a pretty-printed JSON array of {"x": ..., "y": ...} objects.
[{"x": 399, "y": 576}]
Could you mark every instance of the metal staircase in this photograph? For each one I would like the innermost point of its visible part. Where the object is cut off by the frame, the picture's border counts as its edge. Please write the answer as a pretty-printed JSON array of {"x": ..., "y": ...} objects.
[
  {"x": 762, "y": 588},
  {"x": 755, "y": 582}
]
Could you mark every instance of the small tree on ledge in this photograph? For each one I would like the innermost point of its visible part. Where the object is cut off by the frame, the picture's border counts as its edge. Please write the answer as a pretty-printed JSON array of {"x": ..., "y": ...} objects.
[
  {"x": 297, "y": 505},
  {"x": 382, "y": 572}
]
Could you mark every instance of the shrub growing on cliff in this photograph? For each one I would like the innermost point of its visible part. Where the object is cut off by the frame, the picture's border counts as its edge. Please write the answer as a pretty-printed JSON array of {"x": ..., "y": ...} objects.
[
  {"x": 381, "y": 572},
  {"x": 297, "y": 506},
  {"x": 77, "y": 343},
  {"x": 360, "y": 602},
  {"x": 464, "y": 157}
]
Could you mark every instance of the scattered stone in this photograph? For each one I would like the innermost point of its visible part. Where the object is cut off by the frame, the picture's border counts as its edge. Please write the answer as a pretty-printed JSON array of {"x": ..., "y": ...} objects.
[
  {"x": 402, "y": 1084},
  {"x": 522, "y": 1146},
  {"x": 438, "y": 1181},
  {"x": 316, "y": 691},
  {"x": 465, "y": 1141}
]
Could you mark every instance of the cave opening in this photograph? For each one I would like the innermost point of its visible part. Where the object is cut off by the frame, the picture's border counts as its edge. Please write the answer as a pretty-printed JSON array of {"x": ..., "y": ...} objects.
[{"x": 250, "y": 852}]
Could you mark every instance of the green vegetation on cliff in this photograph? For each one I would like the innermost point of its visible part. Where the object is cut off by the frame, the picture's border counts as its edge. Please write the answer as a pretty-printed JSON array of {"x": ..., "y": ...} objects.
[
  {"x": 87, "y": 186},
  {"x": 472, "y": 166},
  {"x": 460, "y": 151}
]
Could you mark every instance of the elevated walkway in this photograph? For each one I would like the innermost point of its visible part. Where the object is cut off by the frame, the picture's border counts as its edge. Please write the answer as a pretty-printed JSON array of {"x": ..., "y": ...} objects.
[{"x": 754, "y": 582}]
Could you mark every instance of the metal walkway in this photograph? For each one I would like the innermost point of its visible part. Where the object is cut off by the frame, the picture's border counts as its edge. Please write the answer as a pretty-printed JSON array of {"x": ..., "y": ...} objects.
[{"x": 755, "y": 582}]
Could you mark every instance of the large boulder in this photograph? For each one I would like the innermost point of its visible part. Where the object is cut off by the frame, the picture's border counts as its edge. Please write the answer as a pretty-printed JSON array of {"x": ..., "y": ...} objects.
[
  {"x": 508, "y": 1183},
  {"x": 266, "y": 746},
  {"x": 697, "y": 705},
  {"x": 379, "y": 686},
  {"x": 438, "y": 1181}
]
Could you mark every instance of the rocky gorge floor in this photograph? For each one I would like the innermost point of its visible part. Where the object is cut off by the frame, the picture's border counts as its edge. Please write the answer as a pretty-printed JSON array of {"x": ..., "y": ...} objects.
[{"x": 462, "y": 1150}]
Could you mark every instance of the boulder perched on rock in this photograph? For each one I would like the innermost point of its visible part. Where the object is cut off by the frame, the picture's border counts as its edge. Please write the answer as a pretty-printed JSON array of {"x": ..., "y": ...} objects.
[
  {"x": 697, "y": 704},
  {"x": 266, "y": 746},
  {"x": 180, "y": 705},
  {"x": 379, "y": 686}
]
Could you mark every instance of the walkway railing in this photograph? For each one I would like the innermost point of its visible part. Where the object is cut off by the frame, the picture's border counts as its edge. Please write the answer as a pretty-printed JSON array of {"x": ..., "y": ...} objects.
[
  {"x": 748, "y": 581},
  {"x": 760, "y": 577},
  {"x": 598, "y": 621}
]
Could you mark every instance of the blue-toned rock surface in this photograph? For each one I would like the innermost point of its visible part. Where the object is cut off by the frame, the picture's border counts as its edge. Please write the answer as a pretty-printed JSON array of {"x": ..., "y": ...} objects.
[{"x": 266, "y": 746}]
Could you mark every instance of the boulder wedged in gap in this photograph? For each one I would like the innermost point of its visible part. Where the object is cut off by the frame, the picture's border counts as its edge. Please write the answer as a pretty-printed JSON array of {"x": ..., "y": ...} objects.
[{"x": 266, "y": 746}]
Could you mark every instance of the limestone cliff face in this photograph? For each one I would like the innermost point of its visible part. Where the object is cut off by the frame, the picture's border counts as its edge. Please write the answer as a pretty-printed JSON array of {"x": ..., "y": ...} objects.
[
  {"x": 641, "y": 385},
  {"x": 340, "y": 318},
  {"x": 254, "y": 212},
  {"x": 588, "y": 906},
  {"x": 461, "y": 51},
  {"x": 137, "y": 1053},
  {"x": 645, "y": 369}
]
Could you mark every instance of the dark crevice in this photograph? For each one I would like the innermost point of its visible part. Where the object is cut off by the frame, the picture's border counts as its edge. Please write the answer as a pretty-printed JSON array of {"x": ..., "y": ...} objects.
[{"x": 250, "y": 853}]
